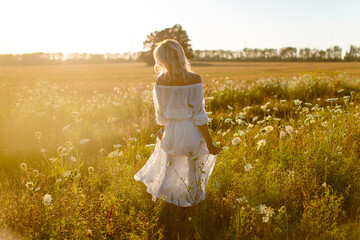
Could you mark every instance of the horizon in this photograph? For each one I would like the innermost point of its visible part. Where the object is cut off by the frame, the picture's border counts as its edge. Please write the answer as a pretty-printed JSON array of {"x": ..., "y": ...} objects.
[{"x": 118, "y": 27}]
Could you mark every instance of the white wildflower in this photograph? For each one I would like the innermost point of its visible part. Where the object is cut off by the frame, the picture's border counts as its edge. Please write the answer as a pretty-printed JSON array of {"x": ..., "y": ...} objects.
[
  {"x": 47, "y": 199},
  {"x": 29, "y": 185},
  {"x": 235, "y": 141},
  {"x": 66, "y": 174},
  {"x": 289, "y": 129},
  {"x": 72, "y": 158},
  {"x": 38, "y": 135},
  {"x": 261, "y": 143},
  {"x": 297, "y": 102},
  {"x": 282, "y": 134},
  {"x": 331, "y": 99},
  {"x": 248, "y": 167},
  {"x": 117, "y": 145},
  {"x": 84, "y": 141},
  {"x": 23, "y": 166}
]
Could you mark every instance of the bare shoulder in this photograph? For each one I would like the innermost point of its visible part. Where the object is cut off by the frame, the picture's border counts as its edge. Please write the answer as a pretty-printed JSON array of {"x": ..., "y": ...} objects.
[
  {"x": 193, "y": 78},
  {"x": 161, "y": 79}
]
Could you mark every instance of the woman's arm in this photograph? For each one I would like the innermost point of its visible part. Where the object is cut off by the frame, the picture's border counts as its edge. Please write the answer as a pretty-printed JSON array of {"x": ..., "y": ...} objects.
[
  {"x": 209, "y": 143},
  {"x": 160, "y": 132}
]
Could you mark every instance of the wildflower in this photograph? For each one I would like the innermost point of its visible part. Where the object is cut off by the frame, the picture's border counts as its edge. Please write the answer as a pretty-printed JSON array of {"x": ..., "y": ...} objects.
[
  {"x": 37, "y": 189},
  {"x": 73, "y": 159},
  {"x": 138, "y": 130},
  {"x": 230, "y": 107},
  {"x": 289, "y": 129},
  {"x": 29, "y": 185},
  {"x": 47, "y": 199},
  {"x": 261, "y": 143},
  {"x": 36, "y": 172},
  {"x": 58, "y": 180},
  {"x": 228, "y": 120},
  {"x": 117, "y": 145},
  {"x": 235, "y": 141},
  {"x": 261, "y": 208},
  {"x": 346, "y": 97},
  {"x": 43, "y": 150},
  {"x": 66, "y": 174},
  {"x": 91, "y": 170},
  {"x": 268, "y": 118},
  {"x": 241, "y": 133},
  {"x": 23, "y": 166},
  {"x": 132, "y": 139},
  {"x": 297, "y": 102},
  {"x": 138, "y": 157},
  {"x": 66, "y": 127},
  {"x": 38, "y": 135},
  {"x": 267, "y": 129},
  {"x": 248, "y": 167},
  {"x": 331, "y": 99},
  {"x": 240, "y": 122},
  {"x": 282, "y": 134},
  {"x": 269, "y": 211},
  {"x": 283, "y": 101},
  {"x": 52, "y": 160},
  {"x": 341, "y": 90},
  {"x": 209, "y": 98},
  {"x": 324, "y": 185},
  {"x": 84, "y": 141},
  {"x": 265, "y": 219},
  {"x": 152, "y": 135}
]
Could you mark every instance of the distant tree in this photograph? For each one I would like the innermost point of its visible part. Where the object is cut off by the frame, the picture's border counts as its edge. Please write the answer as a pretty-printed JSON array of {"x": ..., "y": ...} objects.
[
  {"x": 176, "y": 32},
  {"x": 353, "y": 55},
  {"x": 288, "y": 53}
]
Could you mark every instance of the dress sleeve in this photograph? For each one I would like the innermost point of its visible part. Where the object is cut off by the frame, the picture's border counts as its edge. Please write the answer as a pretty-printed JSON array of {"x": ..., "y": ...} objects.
[
  {"x": 197, "y": 102},
  {"x": 159, "y": 115}
]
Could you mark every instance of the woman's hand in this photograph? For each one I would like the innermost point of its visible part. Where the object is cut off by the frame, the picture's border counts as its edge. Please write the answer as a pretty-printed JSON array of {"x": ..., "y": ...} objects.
[
  {"x": 212, "y": 148},
  {"x": 159, "y": 133}
]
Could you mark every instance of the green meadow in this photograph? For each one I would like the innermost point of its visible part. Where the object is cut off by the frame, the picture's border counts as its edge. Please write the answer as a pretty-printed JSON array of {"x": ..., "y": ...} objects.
[{"x": 73, "y": 136}]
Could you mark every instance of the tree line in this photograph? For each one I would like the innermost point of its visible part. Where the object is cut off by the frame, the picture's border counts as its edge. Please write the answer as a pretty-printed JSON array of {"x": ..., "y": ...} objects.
[
  {"x": 332, "y": 54},
  {"x": 41, "y": 58}
]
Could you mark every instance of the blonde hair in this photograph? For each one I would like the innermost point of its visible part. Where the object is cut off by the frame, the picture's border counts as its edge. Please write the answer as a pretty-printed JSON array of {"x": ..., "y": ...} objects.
[{"x": 170, "y": 59}]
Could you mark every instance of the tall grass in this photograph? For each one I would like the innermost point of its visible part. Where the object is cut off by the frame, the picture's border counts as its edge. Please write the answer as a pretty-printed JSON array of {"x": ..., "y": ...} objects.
[{"x": 288, "y": 166}]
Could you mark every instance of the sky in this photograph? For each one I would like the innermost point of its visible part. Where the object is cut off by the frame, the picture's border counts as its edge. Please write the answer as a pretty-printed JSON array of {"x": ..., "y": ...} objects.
[{"x": 110, "y": 26}]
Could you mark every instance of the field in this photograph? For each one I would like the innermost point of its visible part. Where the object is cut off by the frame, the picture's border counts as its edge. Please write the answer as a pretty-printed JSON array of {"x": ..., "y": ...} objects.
[{"x": 73, "y": 136}]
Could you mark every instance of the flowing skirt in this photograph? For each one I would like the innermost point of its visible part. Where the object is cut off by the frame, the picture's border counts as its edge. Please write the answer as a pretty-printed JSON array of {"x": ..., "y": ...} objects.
[{"x": 178, "y": 179}]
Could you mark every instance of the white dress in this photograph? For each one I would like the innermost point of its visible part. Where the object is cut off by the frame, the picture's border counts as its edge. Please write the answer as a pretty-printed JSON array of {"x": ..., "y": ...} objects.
[{"x": 180, "y": 166}]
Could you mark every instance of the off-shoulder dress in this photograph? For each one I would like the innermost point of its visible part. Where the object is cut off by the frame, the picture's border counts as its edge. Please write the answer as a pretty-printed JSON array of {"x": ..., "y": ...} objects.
[{"x": 180, "y": 166}]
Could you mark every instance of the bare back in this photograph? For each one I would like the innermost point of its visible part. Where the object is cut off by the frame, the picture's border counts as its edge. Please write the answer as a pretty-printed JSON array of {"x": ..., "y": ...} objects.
[{"x": 191, "y": 78}]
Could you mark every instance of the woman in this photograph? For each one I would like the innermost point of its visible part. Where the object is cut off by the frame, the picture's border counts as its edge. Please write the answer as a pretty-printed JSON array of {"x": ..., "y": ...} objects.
[{"x": 184, "y": 156}]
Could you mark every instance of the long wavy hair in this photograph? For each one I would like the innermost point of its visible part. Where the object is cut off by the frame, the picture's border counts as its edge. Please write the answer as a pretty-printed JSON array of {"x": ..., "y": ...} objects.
[{"x": 170, "y": 59}]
